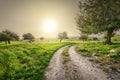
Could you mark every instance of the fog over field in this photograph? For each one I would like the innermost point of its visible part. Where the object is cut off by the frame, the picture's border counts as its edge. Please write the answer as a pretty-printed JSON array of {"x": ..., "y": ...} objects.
[{"x": 24, "y": 16}]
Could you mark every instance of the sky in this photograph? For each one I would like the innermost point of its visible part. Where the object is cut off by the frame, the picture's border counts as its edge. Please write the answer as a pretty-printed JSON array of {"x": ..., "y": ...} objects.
[{"x": 29, "y": 16}]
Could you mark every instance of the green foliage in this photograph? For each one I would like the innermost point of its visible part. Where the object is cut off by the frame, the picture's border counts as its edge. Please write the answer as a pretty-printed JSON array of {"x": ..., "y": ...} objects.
[
  {"x": 24, "y": 61},
  {"x": 65, "y": 55},
  {"x": 116, "y": 38},
  {"x": 8, "y": 35},
  {"x": 112, "y": 35},
  {"x": 62, "y": 36},
  {"x": 28, "y": 36},
  {"x": 11, "y": 35},
  {"x": 83, "y": 37},
  {"x": 4, "y": 37},
  {"x": 98, "y": 16},
  {"x": 101, "y": 54},
  {"x": 41, "y": 38}
]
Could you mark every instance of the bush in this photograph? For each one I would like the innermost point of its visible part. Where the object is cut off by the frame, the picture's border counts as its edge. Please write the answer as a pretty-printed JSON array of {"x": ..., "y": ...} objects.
[
  {"x": 83, "y": 37},
  {"x": 116, "y": 38}
]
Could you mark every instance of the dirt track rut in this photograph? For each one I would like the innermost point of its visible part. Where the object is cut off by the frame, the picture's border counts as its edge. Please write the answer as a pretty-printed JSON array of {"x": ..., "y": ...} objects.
[
  {"x": 55, "y": 69},
  {"x": 78, "y": 68}
]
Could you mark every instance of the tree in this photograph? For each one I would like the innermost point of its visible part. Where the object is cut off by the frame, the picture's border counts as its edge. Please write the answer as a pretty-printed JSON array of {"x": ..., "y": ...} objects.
[
  {"x": 62, "y": 36},
  {"x": 99, "y": 16},
  {"x": 83, "y": 37},
  {"x": 105, "y": 35},
  {"x": 28, "y": 36},
  {"x": 41, "y": 38},
  {"x": 8, "y": 35},
  {"x": 4, "y": 37}
]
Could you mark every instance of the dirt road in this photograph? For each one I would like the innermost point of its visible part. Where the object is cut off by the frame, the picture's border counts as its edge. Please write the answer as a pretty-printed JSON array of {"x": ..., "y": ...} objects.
[
  {"x": 55, "y": 69},
  {"x": 78, "y": 68}
]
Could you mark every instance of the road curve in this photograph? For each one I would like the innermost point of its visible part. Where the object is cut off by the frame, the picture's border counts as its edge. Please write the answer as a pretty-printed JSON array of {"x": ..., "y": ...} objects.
[
  {"x": 85, "y": 70},
  {"x": 78, "y": 68}
]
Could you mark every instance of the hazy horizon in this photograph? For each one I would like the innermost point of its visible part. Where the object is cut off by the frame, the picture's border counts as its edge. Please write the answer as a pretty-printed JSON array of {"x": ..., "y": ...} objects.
[{"x": 27, "y": 16}]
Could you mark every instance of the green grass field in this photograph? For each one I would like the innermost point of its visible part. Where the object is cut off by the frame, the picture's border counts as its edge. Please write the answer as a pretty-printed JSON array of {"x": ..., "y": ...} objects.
[
  {"x": 25, "y": 61},
  {"x": 108, "y": 56},
  {"x": 28, "y": 61}
]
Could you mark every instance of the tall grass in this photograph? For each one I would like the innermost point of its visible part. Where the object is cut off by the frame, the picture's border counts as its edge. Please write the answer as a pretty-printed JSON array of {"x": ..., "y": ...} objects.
[{"x": 25, "y": 61}]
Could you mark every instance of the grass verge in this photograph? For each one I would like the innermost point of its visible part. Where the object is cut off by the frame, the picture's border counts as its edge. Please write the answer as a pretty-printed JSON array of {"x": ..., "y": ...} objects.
[
  {"x": 65, "y": 55},
  {"x": 108, "y": 56},
  {"x": 25, "y": 61}
]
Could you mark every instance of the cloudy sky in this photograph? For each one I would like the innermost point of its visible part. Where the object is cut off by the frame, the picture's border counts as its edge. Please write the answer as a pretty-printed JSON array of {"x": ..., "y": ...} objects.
[{"x": 23, "y": 16}]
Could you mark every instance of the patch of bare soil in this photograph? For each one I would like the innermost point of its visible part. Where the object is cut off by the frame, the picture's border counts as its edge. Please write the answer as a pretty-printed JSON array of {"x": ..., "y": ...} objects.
[
  {"x": 55, "y": 69},
  {"x": 83, "y": 69}
]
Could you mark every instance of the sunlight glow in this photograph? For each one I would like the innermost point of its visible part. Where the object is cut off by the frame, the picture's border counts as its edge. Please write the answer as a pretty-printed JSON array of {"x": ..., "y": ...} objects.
[{"x": 49, "y": 26}]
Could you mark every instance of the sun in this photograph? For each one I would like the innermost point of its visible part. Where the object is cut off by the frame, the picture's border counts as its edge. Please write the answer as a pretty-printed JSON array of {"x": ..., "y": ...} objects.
[{"x": 49, "y": 26}]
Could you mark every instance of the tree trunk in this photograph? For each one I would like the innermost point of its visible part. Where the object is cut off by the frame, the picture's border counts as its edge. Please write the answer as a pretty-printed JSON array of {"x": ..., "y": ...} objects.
[
  {"x": 5, "y": 42},
  {"x": 60, "y": 40},
  {"x": 8, "y": 41},
  {"x": 109, "y": 35}
]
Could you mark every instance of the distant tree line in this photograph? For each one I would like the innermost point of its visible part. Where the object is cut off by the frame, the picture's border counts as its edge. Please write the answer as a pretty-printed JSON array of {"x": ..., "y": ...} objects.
[
  {"x": 9, "y": 36},
  {"x": 85, "y": 37}
]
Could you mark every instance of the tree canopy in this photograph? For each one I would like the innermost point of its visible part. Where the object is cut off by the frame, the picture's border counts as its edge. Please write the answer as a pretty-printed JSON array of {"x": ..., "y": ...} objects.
[
  {"x": 28, "y": 36},
  {"x": 98, "y": 16},
  {"x": 8, "y": 35},
  {"x": 62, "y": 36},
  {"x": 83, "y": 37},
  {"x": 42, "y": 38}
]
